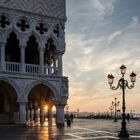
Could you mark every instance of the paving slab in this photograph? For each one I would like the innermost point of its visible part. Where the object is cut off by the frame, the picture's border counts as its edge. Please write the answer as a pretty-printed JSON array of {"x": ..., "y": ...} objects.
[{"x": 80, "y": 129}]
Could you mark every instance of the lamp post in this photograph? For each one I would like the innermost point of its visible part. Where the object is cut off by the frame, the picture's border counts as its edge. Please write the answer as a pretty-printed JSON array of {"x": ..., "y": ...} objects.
[
  {"x": 123, "y": 84},
  {"x": 111, "y": 108},
  {"x": 115, "y": 104},
  {"x": 67, "y": 109}
]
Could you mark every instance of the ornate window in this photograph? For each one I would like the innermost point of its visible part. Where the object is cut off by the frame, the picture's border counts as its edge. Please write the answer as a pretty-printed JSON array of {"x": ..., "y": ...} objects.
[
  {"x": 23, "y": 24},
  {"x": 4, "y": 21},
  {"x": 41, "y": 28}
]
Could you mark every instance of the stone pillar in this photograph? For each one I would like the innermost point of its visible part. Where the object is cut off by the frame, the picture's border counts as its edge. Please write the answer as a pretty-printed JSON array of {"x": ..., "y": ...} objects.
[
  {"x": 22, "y": 57},
  {"x": 50, "y": 113},
  {"x": 31, "y": 112},
  {"x": 42, "y": 118},
  {"x": 60, "y": 115},
  {"x": 22, "y": 112},
  {"x": 36, "y": 112},
  {"x": 60, "y": 65},
  {"x": 31, "y": 115},
  {"x": 27, "y": 113},
  {"x": 55, "y": 67},
  {"x": 2, "y": 55},
  {"x": 41, "y": 60}
]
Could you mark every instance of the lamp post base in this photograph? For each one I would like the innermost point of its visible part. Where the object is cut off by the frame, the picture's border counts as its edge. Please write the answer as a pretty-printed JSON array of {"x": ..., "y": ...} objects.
[{"x": 123, "y": 134}]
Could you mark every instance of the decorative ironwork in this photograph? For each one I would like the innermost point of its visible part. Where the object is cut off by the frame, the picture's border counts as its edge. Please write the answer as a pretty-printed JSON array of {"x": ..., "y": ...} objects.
[
  {"x": 41, "y": 28},
  {"x": 4, "y": 22},
  {"x": 23, "y": 25}
]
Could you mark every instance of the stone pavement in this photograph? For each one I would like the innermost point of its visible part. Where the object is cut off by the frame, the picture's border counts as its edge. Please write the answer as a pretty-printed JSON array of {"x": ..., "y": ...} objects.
[{"x": 81, "y": 129}]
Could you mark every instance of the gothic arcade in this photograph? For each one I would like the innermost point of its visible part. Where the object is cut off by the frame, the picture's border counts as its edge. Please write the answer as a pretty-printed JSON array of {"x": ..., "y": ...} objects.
[{"x": 32, "y": 43}]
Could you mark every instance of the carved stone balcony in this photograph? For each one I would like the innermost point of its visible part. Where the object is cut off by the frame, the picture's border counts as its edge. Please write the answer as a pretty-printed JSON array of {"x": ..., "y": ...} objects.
[{"x": 14, "y": 67}]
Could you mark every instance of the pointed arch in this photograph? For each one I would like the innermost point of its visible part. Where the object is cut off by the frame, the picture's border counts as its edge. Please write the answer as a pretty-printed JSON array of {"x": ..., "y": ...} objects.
[
  {"x": 55, "y": 40},
  {"x": 19, "y": 37},
  {"x": 8, "y": 100},
  {"x": 38, "y": 40},
  {"x": 12, "y": 84},
  {"x": 32, "y": 51},
  {"x": 39, "y": 82},
  {"x": 12, "y": 49}
]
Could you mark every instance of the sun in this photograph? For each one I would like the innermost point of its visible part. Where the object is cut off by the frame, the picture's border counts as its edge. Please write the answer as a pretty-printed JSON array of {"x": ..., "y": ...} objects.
[{"x": 46, "y": 107}]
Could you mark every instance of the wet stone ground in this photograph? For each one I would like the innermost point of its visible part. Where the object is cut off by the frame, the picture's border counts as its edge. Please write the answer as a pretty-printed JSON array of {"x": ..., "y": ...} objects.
[{"x": 81, "y": 129}]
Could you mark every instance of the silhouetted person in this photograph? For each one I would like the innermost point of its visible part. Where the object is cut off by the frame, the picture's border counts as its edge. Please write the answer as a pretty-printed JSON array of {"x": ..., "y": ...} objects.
[
  {"x": 68, "y": 120},
  {"x": 128, "y": 117},
  {"x": 71, "y": 117}
]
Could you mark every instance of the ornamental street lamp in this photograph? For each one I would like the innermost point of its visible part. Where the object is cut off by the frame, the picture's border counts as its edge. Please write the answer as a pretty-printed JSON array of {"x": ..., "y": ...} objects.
[
  {"x": 67, "y": 109},
  {"x": 123, "y": 84},
  {"x": 111, "y": 109},
  {"x": 115, "y": 104}
]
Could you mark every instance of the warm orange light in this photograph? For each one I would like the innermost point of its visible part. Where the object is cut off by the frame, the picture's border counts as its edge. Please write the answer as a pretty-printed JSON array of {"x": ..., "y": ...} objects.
[{"x": 46, "y": 107}]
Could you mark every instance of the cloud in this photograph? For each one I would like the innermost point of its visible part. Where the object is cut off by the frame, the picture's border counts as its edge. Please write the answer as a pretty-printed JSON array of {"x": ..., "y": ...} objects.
[{"x": 96, "y": 49}]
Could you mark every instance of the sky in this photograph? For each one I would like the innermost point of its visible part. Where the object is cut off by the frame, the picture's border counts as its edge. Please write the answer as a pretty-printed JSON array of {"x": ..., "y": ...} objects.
[{"x": 101, "y": 35}]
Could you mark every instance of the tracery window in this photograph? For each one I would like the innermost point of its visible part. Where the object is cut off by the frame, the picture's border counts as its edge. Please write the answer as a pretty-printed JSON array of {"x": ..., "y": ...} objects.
[
  {"x": 41, "y": 28},
  {"x": 4, "y": 21},
  {"x": 23, "y": 24}
]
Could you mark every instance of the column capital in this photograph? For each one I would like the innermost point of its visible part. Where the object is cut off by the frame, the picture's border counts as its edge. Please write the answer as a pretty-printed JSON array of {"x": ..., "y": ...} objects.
[
  {"x": 61, "y": 105},
  {"x": 22, "y": 46},
  {"x": 20, "y": 101},
  {"x": 58, "y": 53},
  {"x": 41, "y": 49},
  {"x": 2, "y": 44}
]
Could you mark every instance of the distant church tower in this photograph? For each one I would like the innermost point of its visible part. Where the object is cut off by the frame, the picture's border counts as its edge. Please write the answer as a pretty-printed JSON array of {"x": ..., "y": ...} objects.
[{"x": 32, "y": 43}]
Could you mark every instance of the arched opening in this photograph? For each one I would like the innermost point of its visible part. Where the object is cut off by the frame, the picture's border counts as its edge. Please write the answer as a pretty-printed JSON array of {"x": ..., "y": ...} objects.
[
  {"x": 50, "y": 59},
  {"x": 50, "y": 52},
  {"x": 8, "y": 103},
  {"x": 31, "y": 51},
  {"x": 12, "y": 50},
  {"x": 40, "y": 103}
]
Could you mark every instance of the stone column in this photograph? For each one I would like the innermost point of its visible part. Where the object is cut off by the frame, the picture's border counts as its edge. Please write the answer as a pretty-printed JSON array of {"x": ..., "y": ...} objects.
[
  {"x": 50, "y": 113},
  {"x": 27, "y": 113},
  {"x": 60, "y": 115},
  {"x": 22, "y": 112},
  {"x": 31, "y": 115},
  {"x": 41, "y": 60},
  {"x": 60, "y": 65},
  {"x": 55, "y": 67},
  {"x": 36, "y": 112},
  {"x": 2, "y": 55},
  {"x": 42, "y": 118},
  {"x": 22, "y": 57}
]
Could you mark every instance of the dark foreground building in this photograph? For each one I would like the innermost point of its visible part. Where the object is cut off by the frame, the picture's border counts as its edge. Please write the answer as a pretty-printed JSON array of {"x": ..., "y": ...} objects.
[{"x": 32, "y": 43}]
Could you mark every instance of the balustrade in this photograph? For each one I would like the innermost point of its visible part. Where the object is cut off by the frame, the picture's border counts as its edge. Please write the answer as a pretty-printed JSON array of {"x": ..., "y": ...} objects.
[{"x": 30, "y": 68}]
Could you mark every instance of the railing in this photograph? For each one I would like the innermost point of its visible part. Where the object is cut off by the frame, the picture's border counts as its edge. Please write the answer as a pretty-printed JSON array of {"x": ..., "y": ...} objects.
[
  {"x": 34, "y": 69},
  {"x": 30, "y": 68},
  {"x": 49, "y": 70},
  {"x": 12, "y": 67}
]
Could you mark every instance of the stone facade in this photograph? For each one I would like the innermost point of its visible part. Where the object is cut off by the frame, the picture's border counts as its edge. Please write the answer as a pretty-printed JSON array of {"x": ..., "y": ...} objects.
[
  {"x": 32, "y": 43},
  {"x": 51, "y": 8}
]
